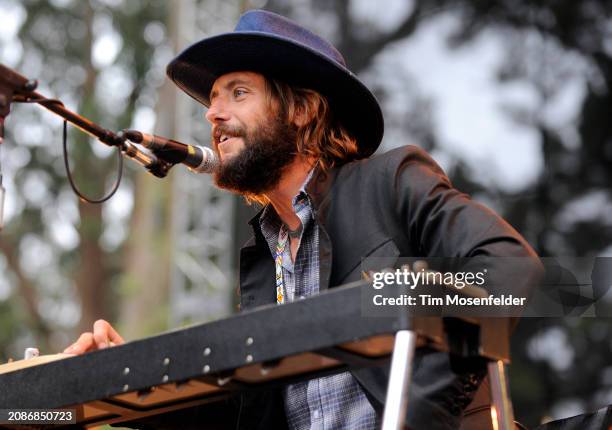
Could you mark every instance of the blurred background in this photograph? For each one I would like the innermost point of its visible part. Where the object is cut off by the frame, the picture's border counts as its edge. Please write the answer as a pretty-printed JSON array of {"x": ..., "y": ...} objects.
[{"x": 512, "y": 97}]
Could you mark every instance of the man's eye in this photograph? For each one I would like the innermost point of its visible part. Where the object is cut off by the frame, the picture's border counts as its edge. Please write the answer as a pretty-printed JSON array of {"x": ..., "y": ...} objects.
[{"x": 239, "y": 92}]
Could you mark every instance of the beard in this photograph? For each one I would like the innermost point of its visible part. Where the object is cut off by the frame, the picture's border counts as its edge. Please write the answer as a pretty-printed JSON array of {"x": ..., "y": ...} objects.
[{"x": 257, "y": 169}]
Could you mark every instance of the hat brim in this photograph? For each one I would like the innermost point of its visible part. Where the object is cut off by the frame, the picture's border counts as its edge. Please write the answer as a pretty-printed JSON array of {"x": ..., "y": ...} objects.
[{"x": 197, "y": 67}]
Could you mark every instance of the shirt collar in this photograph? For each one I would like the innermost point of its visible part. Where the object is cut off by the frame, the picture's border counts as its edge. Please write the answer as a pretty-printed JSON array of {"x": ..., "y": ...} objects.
[
  {"x": 304, "y": 185},
  {"x": 269, "y": 215}
]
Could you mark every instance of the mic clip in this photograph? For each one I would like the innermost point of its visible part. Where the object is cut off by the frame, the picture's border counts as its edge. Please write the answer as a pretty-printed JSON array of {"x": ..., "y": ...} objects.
[
  {"x": 160, "y": 168},
  {"x": 154, "y": 165}
]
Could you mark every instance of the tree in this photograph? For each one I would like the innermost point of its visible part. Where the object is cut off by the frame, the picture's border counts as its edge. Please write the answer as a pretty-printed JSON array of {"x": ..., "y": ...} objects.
[{"x": 59, "y": 251}]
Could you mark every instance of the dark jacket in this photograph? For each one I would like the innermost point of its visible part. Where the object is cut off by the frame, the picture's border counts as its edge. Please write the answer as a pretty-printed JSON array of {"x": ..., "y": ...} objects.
[{"x": 397, "y": 204}]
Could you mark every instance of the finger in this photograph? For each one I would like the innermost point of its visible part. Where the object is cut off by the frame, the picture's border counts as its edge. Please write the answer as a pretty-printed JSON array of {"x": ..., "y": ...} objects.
[
  {"x": 105, "y": 335},
  {"x": 114, "y": 337},
  {"x": 83, "y": 344},
  {"x": 406, "y": 268},
  {"x": 101, "y": 334},
  {"x": 420, "y": 265}
]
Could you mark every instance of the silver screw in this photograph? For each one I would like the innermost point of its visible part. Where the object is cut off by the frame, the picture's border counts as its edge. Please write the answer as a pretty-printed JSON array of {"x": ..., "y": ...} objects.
[
  {"x": 207, "y": 351},
  {"x": 249, "y": 341},
  {"x": 249, "y": 358},
  {"x": 206, "y": 369},
  {"x": 126, "y": 370},
  {"x": 165, "y": 378},
  {"x": 166, "y": 361}
]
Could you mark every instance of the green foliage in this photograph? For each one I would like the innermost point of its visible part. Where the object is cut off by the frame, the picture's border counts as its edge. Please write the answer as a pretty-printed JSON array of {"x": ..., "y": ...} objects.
[{"x": 10, "y": 327}]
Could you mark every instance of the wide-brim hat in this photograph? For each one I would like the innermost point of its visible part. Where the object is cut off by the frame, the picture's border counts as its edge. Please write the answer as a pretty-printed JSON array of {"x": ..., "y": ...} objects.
[{"x": 277, "y": 47}]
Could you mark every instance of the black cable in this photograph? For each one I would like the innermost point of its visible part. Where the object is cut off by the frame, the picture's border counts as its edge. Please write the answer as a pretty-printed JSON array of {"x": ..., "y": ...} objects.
[
  {"x": 43, "y": 101},
  {"x": 69, "y": 175}
]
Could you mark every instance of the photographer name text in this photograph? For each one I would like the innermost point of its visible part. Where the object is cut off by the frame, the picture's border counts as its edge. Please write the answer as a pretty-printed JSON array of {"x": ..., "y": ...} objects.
[{"x": 448, "y": 300}]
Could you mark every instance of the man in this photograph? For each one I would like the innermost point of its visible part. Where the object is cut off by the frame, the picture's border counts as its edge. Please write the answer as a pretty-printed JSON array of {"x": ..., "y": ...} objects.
[{"x": 294, "y": 128}]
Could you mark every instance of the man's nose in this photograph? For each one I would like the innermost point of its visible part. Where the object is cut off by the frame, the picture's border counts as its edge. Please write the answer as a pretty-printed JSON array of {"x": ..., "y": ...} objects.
[{"x": 217, "y": 112}]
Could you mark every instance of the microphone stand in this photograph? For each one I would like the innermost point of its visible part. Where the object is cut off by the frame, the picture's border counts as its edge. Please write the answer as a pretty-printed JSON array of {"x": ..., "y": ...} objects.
[{"x": 17, "y": 88}]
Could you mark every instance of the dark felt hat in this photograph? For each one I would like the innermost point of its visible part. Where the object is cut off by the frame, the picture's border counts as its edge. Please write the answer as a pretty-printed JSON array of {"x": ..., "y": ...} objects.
[{"x": 275, "y": 46}]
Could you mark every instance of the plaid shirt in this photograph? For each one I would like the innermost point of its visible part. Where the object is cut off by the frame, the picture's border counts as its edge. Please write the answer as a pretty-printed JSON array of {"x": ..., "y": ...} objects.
[{"x": 331, "y": 402}]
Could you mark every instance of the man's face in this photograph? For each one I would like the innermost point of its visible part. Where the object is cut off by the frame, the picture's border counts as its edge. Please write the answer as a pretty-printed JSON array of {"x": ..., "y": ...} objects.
[{"x": 253, "y": 143}]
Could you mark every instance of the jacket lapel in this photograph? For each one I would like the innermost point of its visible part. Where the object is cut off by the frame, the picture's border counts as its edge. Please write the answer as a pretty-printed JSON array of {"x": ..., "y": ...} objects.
[{"x": 257, "y": 282}]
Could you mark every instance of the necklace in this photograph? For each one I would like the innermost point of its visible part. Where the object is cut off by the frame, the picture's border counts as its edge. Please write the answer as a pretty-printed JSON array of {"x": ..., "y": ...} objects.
[{"x": 295, "y": 234}]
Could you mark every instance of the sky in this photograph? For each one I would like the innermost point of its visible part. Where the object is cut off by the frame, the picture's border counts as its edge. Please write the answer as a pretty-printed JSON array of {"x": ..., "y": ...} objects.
[{"x": 468, "y": 115}]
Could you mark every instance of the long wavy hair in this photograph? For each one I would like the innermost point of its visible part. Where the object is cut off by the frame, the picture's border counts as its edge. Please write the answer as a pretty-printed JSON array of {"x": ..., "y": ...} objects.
[{"x": 320, "y": 136}]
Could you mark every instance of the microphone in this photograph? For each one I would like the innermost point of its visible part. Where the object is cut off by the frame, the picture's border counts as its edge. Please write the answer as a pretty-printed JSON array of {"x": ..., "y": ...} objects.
[{"x": 198, "y": 159}]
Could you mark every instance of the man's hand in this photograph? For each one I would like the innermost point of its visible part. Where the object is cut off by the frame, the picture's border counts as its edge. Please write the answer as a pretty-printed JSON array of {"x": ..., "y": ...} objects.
[{"x": 103, "y": 336}]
